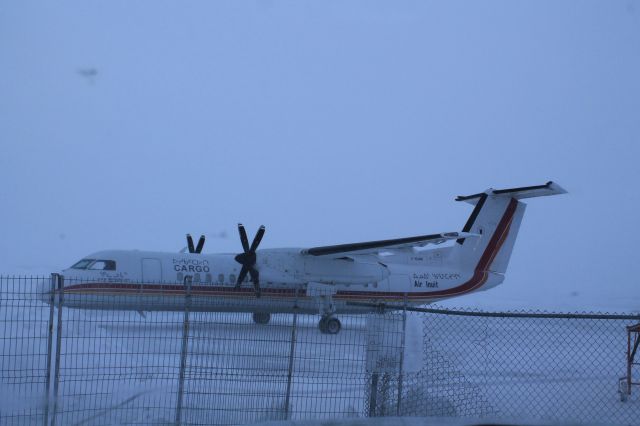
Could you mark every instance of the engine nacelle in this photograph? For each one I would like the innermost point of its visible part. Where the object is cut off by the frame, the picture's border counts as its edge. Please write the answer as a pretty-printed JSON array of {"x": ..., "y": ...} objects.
[{"x": 345, "y": 270}]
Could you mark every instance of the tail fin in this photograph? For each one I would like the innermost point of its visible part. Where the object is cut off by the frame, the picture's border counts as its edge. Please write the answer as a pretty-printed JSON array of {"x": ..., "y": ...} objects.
[{"x": 496, "y": 218}]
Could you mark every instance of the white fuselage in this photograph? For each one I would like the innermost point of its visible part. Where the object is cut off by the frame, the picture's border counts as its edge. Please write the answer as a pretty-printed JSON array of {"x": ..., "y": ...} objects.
[{"x": 145, "y": 281}]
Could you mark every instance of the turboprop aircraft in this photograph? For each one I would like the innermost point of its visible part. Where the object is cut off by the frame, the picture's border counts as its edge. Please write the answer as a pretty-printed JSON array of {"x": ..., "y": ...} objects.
[{"x": 414, "y": 270}]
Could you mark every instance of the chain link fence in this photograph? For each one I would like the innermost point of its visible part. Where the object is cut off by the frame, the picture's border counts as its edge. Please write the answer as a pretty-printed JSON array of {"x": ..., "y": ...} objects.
[
  {"x": 67, "y": 366},
  {"x": 534, "y": 366}
]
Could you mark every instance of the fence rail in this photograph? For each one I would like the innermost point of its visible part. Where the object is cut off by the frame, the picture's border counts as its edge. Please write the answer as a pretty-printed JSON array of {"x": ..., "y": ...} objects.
[{"x": 61, "y": 365}]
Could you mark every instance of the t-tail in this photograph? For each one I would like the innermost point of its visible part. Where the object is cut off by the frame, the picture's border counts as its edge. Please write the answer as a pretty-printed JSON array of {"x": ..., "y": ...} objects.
[{"x": 496, "y": 220}]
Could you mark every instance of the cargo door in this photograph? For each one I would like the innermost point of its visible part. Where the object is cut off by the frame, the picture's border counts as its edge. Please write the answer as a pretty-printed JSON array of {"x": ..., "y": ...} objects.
[{"x": 151, "y": 270}]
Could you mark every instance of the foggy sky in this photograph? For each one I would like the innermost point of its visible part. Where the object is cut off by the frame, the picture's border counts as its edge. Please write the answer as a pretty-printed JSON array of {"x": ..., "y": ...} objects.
[{"x": 128, "y": 124}]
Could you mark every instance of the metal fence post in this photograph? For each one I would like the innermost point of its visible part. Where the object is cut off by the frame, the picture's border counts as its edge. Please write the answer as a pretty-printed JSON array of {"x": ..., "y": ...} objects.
[
  {"x": 373, "y": 395},
  {"x": 291, "y": 358},
  {"x": 52, "y": 289},
  {"x": 402, "y": 349},
  {"x": 183, "y": 352},
  {"x": 56, "y": 379}
]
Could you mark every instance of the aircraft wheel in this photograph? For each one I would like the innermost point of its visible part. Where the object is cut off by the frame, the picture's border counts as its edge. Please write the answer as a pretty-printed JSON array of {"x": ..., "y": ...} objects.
[
  {"x": 333, "y": 326},
  {"x": 261, "y": 317},
  {"x": 329, "y": 325}
]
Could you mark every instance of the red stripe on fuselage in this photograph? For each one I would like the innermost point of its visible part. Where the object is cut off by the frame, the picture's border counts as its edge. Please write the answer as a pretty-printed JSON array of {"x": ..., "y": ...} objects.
[{"x": 479, "y": 277}]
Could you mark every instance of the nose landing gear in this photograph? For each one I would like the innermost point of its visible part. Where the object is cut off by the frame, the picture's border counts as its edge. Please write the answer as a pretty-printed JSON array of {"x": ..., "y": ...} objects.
[{"x": 261, "y": 317}]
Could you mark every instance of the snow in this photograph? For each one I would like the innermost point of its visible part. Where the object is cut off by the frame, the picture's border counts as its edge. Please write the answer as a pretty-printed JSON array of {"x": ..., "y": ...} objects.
[{"x": 119, "y": 367}]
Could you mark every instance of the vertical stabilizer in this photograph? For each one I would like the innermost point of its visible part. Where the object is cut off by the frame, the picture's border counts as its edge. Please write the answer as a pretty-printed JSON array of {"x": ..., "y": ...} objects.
[{"x": 496, "y": 218}]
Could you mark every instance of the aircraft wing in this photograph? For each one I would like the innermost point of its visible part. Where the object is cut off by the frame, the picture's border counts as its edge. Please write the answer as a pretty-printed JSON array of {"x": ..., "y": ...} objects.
[{"x": 374, "y": 247}]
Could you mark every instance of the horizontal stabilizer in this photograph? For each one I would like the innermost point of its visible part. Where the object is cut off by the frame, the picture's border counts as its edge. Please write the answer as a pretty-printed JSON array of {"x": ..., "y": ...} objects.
[{"x": 549, "y": 188}]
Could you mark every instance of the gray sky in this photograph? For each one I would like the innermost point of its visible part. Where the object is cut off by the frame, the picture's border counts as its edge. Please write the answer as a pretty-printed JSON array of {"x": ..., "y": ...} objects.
[{"x": 328, "y": 122}]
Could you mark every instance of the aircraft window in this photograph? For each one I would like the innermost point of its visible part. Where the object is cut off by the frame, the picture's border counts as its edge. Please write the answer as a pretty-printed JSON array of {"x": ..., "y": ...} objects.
[
  {"x": 196, "y": 278},
  {"x": 220, "y": 278},
  {"x": 82, "y": 264},
  {"x": 232, "y": 279},
  {"x": 207, "y": 279},
  {"x": 180, "y": 277},
  {"x": 103, "y": 265}
]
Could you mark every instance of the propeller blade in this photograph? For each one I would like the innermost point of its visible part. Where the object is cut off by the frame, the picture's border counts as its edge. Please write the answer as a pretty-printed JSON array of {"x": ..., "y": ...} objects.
[
  {"x": 257, "y": 239},
  {"x": 243, "y": 274},
  {"x": 190, "y": 243},
  {"x": 255, "y": 277},
  {"x": 248, "y": 258},
  {"x": 243, "y": 237},
  {"x": 200, "y": 244}
]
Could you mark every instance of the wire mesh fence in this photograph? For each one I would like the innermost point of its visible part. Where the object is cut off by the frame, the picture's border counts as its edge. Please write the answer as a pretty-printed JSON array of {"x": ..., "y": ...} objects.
[
  {"x": 25, "y": 349},
  {"x": 144, "y": 365}
]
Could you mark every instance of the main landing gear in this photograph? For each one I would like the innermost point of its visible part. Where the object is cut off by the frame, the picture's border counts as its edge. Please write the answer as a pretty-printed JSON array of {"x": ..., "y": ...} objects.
[
  {"x": 322, "y": 293},
  {"x": 261, "y": 317},
  {"x": 329, "y": 324}
]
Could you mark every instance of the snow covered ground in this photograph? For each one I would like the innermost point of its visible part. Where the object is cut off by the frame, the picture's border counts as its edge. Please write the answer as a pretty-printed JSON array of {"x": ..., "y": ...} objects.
[{"x": 123, "y": 367}]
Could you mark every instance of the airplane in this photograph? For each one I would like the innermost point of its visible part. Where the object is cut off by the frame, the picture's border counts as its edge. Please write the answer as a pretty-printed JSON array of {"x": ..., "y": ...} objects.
[{"x": 327, "y": 280}]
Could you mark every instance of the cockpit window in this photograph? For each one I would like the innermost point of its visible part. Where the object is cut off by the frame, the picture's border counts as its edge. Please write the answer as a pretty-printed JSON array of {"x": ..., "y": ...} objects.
[
  {"x": 82, "y": 264},
  {"x": 96, "y": 265},
  {"x": 103, "y": 265}
]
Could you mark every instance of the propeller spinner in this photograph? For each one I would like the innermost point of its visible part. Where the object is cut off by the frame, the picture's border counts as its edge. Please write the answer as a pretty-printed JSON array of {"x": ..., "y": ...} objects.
[
  {"x": 197, "y": 249},
  {"x": 248, "y": 258}
]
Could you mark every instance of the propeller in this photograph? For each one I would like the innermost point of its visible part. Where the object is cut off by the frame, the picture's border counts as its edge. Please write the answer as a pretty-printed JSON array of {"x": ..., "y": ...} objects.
[
  {"x": 197, "y": 249},
  {"x": 248, "y": 258}
]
